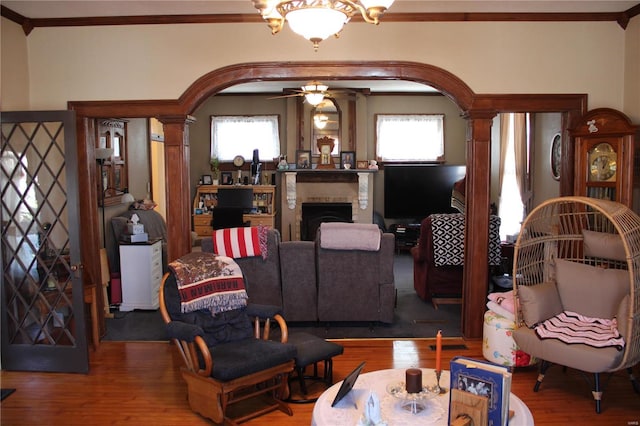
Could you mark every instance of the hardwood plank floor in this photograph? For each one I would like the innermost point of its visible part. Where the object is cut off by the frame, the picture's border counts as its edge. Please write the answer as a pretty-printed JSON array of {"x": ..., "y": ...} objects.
[{"x": 139, "y": 383}]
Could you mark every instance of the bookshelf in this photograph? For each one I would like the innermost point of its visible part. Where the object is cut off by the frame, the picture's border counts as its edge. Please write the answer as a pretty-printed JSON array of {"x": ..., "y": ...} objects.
[{"x": 206, "y": 199}]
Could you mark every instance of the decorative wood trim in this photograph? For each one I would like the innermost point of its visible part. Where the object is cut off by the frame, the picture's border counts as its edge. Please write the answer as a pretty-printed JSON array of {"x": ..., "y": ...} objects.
[
  {"x": 480, "y": 109},
  {"x": 325, "y": 176},
  {"x": 28, "y": 24}
]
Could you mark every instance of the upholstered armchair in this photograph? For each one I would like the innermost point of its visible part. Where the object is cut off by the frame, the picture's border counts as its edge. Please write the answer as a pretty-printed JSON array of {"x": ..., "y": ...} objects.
[
  {"x": 438, "y": 259},
  {"x": 227, "y": 356}
]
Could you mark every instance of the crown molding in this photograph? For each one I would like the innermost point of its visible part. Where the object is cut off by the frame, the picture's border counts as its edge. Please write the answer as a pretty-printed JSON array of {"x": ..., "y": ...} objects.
[{"x": 28, "y": 24}]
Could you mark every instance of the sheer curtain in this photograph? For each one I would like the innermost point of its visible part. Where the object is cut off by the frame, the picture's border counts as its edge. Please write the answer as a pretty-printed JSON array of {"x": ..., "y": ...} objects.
[
  {"x": 240, "y": 135},
  {"x": 511, "y": 208},
  {"x": 410, "y": 137}
]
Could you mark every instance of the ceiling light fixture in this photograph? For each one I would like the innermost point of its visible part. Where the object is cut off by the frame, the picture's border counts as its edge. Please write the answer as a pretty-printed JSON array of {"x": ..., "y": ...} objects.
[
  {"x": 320, "y": 121},
  {"x": 316, "y": 20},
  {"x": 314, "y": 92}
]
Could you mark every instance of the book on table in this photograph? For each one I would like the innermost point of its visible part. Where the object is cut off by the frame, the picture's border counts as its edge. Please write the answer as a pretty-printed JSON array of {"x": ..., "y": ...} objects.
[{"x": 478, "y": 386}]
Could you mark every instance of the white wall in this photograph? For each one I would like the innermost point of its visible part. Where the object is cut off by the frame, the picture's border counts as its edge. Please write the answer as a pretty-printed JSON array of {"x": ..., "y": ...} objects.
[
  {"x": 632, "y": 71},
  {"x": 161, "y": 61},
  {"x": 545, "y": 127},
  {"x": 14, "y": 68}
]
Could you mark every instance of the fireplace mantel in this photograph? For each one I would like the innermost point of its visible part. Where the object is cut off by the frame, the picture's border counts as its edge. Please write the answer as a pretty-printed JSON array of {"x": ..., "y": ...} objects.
[
  {"x": 324, "y": 175},
  {"x": 297, "y": 186}
]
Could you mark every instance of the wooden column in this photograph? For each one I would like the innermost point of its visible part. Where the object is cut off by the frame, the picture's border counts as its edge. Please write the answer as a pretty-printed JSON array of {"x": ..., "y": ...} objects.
[
  {"x": 178, "y": 189},
  {"x": 478, "y": 198},
  {"x": 90, "y": 241}
]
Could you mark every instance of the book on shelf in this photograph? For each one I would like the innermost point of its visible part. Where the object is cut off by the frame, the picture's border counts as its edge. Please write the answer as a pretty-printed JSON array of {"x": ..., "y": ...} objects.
[{"x": 478, "y": 386}]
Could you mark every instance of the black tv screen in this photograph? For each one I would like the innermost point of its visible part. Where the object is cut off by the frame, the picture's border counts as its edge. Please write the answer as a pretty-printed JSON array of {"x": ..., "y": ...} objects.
[
  {"x": 414, "y": 191},
  {"x": 241, "y": 198}
]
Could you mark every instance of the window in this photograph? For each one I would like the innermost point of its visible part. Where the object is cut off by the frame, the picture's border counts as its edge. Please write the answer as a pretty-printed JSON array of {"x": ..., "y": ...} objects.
[
  {"x": 240, "y": 135},
  {"x": 410, "y": 137},
  {"x": 515, "y": 180}
]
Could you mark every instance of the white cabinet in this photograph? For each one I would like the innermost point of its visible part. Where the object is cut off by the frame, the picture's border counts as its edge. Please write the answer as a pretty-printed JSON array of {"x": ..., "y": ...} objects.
[{"x": 141, "y": 273}]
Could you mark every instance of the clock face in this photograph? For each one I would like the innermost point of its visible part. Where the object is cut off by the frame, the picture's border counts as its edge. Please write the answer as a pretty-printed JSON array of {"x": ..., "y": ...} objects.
[
  {"x": 238, "y": 161},
  {"x": 602, "y": 163}
]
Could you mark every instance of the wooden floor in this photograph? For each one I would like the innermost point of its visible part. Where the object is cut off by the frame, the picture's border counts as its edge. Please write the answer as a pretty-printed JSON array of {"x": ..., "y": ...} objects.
[{"x": 138, "y": 383}]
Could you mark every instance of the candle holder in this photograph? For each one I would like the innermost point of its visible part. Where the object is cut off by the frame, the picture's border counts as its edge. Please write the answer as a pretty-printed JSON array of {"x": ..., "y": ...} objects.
[
  {"x": 441, "y": 390},
  {"x": 413, "y": 402}
]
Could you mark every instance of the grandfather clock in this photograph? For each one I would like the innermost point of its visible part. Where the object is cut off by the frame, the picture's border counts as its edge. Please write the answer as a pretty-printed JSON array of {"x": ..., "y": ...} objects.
[{"x": 604, "y": 141}]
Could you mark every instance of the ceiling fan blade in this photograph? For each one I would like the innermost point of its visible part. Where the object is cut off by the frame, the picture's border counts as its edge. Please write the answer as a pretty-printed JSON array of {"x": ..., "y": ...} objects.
[{"x": 286, "y": 96}]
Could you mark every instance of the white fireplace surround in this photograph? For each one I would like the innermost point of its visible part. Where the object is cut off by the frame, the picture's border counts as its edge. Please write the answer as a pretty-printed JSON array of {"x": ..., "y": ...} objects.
[{"x": 356, "y": 193}]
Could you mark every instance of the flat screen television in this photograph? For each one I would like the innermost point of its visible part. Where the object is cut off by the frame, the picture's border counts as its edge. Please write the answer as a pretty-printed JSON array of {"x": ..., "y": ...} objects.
[
  {"x": 239, "y": 198},
  {"x": 414, "y": 191}
]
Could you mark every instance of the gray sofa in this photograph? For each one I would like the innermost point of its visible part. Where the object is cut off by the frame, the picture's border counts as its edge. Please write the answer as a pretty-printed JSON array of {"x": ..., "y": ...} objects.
[{"x": 315, "y": 284}]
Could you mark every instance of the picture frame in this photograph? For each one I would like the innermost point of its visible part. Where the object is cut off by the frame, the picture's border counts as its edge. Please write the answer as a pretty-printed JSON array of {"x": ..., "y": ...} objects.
[
  {"x": 347, "y": 159},
  {"x": 207, "y": 180},
  {"x": 303, "y": 159},
  {"x": 227, "y": 178},
  {"x": 362, "y": 164},
  {"x": 556, "y": 156}
]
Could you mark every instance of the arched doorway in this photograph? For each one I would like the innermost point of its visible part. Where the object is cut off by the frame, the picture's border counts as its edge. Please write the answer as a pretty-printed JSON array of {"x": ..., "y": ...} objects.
[{"x": 478, "y": 109}]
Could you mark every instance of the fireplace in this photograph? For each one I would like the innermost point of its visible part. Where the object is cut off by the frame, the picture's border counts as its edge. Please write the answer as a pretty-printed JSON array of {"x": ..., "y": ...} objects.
[
  {"x": 327, "y": 196},
  {"x": 313, "y": 214}
]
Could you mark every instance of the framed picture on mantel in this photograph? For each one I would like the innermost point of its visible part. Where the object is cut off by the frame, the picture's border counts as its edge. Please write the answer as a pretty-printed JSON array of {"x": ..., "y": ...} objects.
[
  {"x": 304, "y": 159},
  {"x": 347, "y": 160}
]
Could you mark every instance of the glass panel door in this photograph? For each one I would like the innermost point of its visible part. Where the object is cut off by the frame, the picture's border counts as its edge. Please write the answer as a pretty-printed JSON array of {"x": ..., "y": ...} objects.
[{"x": 43, "y": 327}]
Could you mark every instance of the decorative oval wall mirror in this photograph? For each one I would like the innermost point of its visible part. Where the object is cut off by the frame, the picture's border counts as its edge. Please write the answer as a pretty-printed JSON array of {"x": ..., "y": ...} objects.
[{"x": 326, "y": 121}]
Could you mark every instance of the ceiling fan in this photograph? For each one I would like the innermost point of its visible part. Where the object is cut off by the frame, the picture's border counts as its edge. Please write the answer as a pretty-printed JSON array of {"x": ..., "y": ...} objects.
[{"x": 314, "y": 93}]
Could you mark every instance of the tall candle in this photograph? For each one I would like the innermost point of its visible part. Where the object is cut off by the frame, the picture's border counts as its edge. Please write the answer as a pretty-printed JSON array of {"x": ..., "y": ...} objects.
[
  {"x": 439, "y": 351},
  {"x": 413, "y": 380}
]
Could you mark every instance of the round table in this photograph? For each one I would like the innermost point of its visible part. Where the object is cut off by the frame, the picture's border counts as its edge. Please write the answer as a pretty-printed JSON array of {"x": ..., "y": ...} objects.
[{"x": 350, "y": 408}]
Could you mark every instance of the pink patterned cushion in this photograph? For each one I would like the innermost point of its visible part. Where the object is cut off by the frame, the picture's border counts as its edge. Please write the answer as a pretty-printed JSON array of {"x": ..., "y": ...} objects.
[{"x": 240, "y": 242}]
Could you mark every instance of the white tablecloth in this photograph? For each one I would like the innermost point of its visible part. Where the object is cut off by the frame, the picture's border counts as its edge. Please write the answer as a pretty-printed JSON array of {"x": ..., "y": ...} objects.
[{"x": 436, "y": 412}]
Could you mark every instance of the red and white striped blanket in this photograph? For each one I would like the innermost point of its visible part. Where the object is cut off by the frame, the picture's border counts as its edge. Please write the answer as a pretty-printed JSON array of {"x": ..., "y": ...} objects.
[
  {"x": 207, "y": 281},
  {"x": 570, "y": 327},
  {"x": 241, "y": 242}
]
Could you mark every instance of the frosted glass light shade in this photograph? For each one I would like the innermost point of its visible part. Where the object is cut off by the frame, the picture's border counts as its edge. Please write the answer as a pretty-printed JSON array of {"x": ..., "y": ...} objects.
[{"x": 317, "y": 23}]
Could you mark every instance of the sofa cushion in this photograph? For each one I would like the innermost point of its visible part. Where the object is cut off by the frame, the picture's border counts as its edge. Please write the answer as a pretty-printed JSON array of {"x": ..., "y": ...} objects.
[
  {"x": 623, "y": 315},
  {"x": 539, "y": 302},
  {"x": 240, "y": 358},
  {"x": 578, "y": 356},
  {"x": 589, "y": 290},
  {"x": 603, "y": 245}
]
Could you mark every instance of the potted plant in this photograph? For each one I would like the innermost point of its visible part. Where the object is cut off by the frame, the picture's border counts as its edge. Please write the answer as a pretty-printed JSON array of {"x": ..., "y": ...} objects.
[{"x": 214, "y": 169}]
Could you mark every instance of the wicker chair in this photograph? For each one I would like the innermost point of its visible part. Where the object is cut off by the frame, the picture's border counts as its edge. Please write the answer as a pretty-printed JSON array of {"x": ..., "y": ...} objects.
[{"x": 563, "y": 243}]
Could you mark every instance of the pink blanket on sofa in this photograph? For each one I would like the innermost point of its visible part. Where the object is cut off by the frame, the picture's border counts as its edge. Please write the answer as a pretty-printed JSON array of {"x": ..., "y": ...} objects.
[{"x": 349, "y": 236}]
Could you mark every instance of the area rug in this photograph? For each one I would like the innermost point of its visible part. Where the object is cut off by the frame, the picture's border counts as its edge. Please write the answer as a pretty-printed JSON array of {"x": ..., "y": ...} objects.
[{"x": 414, "y": 318}]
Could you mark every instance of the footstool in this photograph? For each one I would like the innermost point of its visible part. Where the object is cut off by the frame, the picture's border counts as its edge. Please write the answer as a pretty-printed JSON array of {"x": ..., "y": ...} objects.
[
  {"x": 310, "y": 351},
  {"x": 498, "y": 345}
]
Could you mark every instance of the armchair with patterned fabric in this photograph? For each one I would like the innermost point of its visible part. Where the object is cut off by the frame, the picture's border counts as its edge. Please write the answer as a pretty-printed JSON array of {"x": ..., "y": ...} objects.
[{"x": 438, "y": 259}]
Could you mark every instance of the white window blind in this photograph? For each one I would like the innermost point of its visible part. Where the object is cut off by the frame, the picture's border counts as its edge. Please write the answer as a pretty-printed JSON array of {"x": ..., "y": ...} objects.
[
  {"x": 240, "y": 135},
  {"x": 410, "y": 137}
]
